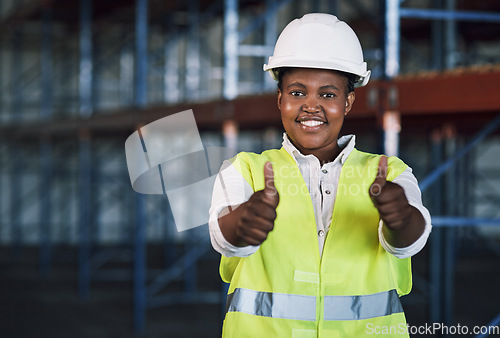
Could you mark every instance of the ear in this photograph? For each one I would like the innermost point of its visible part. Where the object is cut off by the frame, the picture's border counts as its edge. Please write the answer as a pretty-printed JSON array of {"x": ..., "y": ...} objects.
[
  {"x": 349, "y": 102},
  {"x": 279, "y": 99}
]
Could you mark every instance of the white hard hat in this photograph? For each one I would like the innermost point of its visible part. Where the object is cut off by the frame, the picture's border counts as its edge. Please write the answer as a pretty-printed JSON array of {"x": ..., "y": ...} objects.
[{"x": 319, "y": 40}]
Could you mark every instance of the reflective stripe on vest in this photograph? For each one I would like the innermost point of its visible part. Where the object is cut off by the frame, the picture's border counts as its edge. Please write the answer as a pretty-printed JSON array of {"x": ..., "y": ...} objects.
[
  {"x": 299, "y": 307},
  {"x": 362, "y": 307},
  {"x": 275, "y": 305}
]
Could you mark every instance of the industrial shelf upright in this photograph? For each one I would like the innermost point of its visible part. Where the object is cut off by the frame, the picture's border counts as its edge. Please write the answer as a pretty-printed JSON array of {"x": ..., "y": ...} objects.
[{"x": 443, "y": 240}]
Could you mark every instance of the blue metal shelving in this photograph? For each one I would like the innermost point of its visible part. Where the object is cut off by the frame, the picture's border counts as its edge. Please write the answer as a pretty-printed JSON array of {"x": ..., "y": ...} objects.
[{"x": 183, "y": 79}]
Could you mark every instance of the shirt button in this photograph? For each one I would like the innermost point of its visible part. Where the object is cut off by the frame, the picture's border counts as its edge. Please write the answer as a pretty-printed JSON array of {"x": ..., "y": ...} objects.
[
  {"x": 321, "y": 233},
  {"x": 324, "y": 171},
  {"x": 327, "y": 192}
]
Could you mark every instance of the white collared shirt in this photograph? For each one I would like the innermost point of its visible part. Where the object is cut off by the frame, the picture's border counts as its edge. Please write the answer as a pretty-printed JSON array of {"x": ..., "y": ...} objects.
[{"x": 321, "y": 180}]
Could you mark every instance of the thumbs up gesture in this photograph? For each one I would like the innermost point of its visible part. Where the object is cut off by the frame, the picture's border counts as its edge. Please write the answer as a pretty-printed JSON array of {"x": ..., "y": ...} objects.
[
  {"x": 259, "y": 212},
  {"x": 389, "y": 199}
]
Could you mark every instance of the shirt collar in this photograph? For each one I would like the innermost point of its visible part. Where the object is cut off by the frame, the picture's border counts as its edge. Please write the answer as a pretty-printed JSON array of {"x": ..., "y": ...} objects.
[{"x": 346, "y": 143}]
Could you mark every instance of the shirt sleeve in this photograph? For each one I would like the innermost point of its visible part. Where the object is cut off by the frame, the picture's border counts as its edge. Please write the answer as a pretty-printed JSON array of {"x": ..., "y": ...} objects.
[
  {"x": 230, "y": 189},
  {"x": 410, "y": 186}
]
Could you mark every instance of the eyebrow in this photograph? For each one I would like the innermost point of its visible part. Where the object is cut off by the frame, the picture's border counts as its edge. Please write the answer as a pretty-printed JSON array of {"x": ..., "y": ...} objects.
[
  {"x": 329, "y": 86},
  {"x": 298, "y": 84}
]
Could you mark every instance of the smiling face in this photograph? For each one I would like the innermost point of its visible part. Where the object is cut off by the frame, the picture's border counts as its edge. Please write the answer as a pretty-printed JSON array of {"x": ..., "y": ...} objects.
[{"x": 313, "y": 104}]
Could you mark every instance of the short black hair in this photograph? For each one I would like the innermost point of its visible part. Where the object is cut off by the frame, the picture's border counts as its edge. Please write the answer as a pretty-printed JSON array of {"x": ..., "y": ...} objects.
[{"x": 351, "y": 78}]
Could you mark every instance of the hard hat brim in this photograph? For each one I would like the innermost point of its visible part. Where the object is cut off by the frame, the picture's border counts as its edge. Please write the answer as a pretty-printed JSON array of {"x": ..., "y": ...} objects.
[{"x": 339, "y": 65}]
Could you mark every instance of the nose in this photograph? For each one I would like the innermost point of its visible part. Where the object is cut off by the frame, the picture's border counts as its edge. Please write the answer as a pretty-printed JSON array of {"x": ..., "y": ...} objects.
[{"x": 311, "y": 105}]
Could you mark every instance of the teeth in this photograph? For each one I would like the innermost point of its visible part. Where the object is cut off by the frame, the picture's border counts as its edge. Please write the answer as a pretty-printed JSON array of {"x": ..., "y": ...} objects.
[{"x": 311, "y": 123}]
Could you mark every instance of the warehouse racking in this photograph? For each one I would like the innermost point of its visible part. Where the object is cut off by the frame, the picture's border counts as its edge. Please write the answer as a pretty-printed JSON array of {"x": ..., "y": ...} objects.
[{"x": 78, "y": 77}]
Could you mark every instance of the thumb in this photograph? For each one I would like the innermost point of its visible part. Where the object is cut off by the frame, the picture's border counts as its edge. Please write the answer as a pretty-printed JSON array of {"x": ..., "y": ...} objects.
[
  {"x": 381, "y": 179},
  {"x": 269, "y": 188}
]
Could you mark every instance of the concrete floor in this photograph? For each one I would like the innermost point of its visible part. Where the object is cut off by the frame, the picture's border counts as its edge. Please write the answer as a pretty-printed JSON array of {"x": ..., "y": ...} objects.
[{"x": 32, "y": 306}]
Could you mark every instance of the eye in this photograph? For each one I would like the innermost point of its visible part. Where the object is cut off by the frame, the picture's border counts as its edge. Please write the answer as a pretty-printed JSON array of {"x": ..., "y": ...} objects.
[
  {"x": 329, "y": 95},
  {"x": 297, "y": 93}
]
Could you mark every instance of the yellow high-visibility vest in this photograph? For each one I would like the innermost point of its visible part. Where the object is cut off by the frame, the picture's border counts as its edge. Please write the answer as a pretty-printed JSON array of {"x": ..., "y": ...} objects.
[{"x": 286, "y": 289}]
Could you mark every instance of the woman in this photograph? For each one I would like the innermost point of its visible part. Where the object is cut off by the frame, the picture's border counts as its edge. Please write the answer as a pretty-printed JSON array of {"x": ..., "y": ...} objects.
[{"x": 316, "y": 237}]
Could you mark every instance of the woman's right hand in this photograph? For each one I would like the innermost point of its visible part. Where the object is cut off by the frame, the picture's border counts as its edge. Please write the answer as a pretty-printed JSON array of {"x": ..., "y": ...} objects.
[{"x": 251, "y": 222}]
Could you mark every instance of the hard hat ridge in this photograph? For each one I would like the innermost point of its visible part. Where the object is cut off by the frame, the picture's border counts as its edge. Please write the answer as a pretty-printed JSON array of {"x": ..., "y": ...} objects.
[{"x": 319, "y": 40}]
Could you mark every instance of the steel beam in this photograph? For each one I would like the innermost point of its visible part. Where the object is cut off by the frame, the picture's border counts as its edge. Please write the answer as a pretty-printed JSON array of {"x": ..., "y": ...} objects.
[
  {"x": 491, "y": 326},
  {"x": 392, "y": 36},
  {"x": 435, "y": 14},
  {"x": 461, "y": 94},
  {"x": 435, "y": 262},
  {"x": 444, "y": 166},
  {"x": 462, "y": 91},
  {"x": 3, "y": 161},
  {"x": 46, "y": 106},
  {"x": 86, "y": 66},
  {"x": 169, "y": 249},
  {"x": 453, "y": 222},
  {"x": 141, "y": 53},
  {"x": 255, "y": 50},
  {"x": 126, "y": 75},
  {"x": 2, "y": 80},
  {"x": 85, "y": 179},
  {"x": 437, "y": 38},
  {"x": 139, "y": 274},
  {"x": 230, "y": 86},
  {"x": 442, "y": 267},
  {"x": 84, "y": 209},
  {"x": 449, "y": 247},
  {"x": 390, "y": 116},
  {"x": 171, "y": 81},
  {"x": 16, "y": 186},
  {"x": 451, "y": 38},
  {"x": 270, "y": 37},
  {"x": 16, "y": 77},
  {"x": 46, "y": 77},
  {"x": 45, "y": 189},
  {"x": 193, "y": 63},
  {"x": 139, "y": 284},
  {"x": 16, "y": 110}
]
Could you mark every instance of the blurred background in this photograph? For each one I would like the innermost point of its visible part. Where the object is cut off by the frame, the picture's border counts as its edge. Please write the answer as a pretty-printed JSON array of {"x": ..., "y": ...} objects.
[{"x": 83, "y": 255}]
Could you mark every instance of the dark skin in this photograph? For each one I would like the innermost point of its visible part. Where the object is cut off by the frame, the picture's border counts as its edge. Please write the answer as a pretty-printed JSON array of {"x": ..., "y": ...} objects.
[
  {"x": 403, "y": 223},
  {"x": 313, "y": 105},
  {"x": 314, "y": 96},
  {"x": 251, "y": 222}
]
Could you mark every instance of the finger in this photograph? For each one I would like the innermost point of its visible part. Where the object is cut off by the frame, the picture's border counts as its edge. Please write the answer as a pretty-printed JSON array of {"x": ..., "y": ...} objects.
[
  {"x": 263, "y": 224},
  {"x": 393, "y": 193},
  {"x": 392, "y": 219},
  {"x": 389, "y": 208},
  {"x": 256, "y": 235},
  {"x": 269, "y": 188},
  {"x": 382, "y": 169},
  {"x": 264, "y": 210},
  {"x": 252, "y": 219},
  {"x": 381, "y": 179}
]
